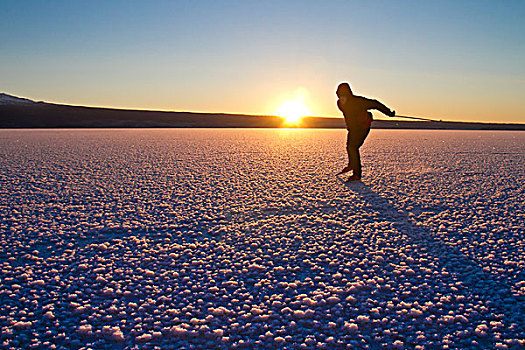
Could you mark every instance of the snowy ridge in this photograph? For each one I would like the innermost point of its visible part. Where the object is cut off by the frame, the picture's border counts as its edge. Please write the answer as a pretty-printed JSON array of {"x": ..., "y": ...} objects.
[{"x": 6, "y": 99}]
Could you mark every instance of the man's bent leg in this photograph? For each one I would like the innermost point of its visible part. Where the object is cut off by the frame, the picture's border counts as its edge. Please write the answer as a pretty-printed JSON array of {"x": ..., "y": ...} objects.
[
  {"x": 353, "y": 144},
  {"x": 355, "y": 162},
  {"x": 347, "y": 168}
]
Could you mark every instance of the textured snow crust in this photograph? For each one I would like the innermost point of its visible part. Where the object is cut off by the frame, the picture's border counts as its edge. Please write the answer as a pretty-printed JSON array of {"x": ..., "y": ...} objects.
[{"x": 207, "y": 239}]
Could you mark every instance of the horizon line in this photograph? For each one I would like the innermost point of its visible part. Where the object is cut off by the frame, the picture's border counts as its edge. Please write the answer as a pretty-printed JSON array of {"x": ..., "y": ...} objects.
[{"x": 397, "y": 118}]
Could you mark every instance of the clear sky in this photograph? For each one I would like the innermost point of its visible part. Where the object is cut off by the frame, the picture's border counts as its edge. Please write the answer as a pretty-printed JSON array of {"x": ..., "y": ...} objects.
[{"x": 454, "y": 60}]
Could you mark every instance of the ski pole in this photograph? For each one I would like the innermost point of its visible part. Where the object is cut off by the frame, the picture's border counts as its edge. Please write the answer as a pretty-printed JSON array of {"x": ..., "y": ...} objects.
[{"x": 417, "y": 118}]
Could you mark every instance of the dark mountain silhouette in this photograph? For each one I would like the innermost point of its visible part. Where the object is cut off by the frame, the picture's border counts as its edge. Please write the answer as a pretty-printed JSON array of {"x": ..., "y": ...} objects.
[{"x": 16, "y": 112}]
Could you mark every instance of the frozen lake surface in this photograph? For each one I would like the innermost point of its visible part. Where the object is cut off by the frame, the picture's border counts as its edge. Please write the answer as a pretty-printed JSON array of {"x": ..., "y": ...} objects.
[{"x": 199, "y": 238}]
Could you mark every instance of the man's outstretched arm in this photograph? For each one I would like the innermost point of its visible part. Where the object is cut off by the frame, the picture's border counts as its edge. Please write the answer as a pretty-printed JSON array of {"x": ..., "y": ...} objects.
[{"x": 375, "y": 104}]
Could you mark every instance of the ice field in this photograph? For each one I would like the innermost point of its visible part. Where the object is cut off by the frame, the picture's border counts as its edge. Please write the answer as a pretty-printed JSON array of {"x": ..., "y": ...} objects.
[{"x": 205, "y": 239}]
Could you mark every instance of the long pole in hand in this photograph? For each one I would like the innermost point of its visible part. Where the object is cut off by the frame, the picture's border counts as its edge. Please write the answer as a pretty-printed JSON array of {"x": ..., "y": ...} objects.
[{"x": 416, "y": 118}]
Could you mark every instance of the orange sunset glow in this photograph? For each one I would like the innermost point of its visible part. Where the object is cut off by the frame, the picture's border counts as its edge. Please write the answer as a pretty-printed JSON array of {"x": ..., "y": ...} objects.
[{"x": 292, "y": 111}]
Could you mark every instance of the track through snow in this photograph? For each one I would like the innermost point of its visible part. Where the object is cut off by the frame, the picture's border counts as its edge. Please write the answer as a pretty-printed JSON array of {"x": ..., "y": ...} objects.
[{"x": 195, "y": 238}]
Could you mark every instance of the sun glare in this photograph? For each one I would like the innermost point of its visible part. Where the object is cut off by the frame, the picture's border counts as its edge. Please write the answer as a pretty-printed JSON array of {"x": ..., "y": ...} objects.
[{"x": 292, "y": 111}]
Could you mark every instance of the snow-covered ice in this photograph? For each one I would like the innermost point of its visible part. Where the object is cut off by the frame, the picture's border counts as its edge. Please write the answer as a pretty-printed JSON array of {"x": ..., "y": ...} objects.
[{"x": 197, "y": 238}]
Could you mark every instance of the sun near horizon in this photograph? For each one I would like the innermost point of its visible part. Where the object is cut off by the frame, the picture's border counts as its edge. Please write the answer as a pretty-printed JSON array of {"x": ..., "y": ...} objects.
[{"x": 292, "y": 110}]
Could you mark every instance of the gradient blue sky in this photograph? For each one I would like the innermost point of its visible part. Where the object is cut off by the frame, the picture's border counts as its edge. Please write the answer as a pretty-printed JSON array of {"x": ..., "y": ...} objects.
[{"x": 456, "y": 60}]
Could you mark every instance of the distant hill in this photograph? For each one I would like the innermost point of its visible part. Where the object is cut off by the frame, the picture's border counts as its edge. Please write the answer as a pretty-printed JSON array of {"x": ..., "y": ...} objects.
[{"x": 16, "y": 112}]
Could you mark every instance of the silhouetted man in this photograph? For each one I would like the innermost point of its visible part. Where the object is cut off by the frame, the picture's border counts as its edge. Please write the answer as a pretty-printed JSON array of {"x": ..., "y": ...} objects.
[{"x": 358, "y": 120}]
